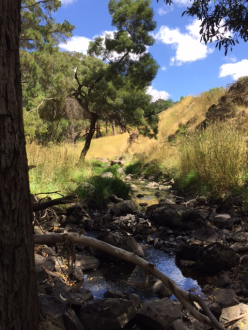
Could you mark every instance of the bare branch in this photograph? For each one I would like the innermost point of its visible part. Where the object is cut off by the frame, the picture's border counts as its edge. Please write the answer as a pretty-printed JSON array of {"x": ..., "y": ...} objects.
[{"x": 63, "y": 200}]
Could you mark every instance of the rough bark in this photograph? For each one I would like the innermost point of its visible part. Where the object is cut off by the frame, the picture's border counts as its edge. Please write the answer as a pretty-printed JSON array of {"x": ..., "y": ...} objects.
[
  {"x": 183, "y": 296},
  {"x": 89, "y": 135},
  {"x": 18, "y": 291}
]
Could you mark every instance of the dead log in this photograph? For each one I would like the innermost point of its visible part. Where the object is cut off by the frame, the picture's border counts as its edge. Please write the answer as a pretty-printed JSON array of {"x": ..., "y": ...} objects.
[
  {"x": 62, "y": 200},
  {"x": 181, "y": 295}
]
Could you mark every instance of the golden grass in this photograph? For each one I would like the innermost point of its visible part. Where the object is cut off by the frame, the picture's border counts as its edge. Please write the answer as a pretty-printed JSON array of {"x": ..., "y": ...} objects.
[{"x": 218, "y": 155}]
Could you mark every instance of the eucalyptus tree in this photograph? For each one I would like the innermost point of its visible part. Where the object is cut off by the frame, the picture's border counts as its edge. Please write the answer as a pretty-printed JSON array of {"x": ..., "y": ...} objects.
[
  {"x": 18, "y": 289},
  {"x": 39, "y": 39},
  {"x": 112, "y": 81}
]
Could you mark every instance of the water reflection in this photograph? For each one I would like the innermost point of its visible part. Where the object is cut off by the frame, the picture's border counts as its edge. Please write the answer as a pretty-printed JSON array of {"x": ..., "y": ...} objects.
[{"x": 130, "y": 279}]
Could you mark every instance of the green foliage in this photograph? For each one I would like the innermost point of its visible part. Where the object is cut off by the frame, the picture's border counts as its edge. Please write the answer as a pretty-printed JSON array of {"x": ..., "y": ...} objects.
[
  {"x": 134, "y": 168},
  {"x": 140, "y": 169},
  {"x": 163, "y": 105},
  {"x": 38, "y": 27},
  {"x": 103, "y": 188}
]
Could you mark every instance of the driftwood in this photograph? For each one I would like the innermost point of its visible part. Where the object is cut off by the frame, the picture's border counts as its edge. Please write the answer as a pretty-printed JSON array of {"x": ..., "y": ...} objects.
[
  {"x": 183, "y": 296},
  {"x": 62, "y": 200}
]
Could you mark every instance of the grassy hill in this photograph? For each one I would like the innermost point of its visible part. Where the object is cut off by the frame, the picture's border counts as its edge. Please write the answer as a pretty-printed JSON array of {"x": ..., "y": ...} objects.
[{"x": 210, "y": 161}]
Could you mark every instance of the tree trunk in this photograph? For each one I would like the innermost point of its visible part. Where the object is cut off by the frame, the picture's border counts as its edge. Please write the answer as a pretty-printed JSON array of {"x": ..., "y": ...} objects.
[
  {"x": 113, "y": 127},
  {"x": 18, "y": 290},
  {"x": 89, "y": 136},
  {"x": 70, "y": 131}
]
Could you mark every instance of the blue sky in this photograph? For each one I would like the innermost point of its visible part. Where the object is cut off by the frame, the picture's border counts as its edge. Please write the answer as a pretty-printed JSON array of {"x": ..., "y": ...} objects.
[{"x": 187, "y": 67}]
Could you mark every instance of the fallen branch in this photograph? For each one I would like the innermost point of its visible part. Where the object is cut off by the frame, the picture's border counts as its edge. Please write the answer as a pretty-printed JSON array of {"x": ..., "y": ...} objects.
[
  {"x": 181, "y": 295},
  {"x": 235, "y": 319},
  {"x": 63, "y": 200}
]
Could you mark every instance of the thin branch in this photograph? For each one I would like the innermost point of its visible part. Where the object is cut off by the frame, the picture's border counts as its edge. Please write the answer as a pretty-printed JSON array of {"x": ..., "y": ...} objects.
[
  {"x": 235, "y": 319},
  {"x": 63, "y": 200},
  {"x": 37, "y": 108},
  {"x": 49, "y": 193}
]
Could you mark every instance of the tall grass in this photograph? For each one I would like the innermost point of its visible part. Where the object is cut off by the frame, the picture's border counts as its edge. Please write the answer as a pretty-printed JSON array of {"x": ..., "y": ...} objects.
[{"x": 213, "y": 160}]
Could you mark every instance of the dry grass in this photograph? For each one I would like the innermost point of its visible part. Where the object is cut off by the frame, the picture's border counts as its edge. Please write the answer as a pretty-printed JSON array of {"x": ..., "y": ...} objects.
[{"x": 217, "y": 156}]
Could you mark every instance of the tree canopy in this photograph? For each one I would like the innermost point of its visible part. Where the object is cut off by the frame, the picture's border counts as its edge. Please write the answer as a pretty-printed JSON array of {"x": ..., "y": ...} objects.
[
  {"x": 222, "y": 21},
  {"x": 112, "y": 80}
]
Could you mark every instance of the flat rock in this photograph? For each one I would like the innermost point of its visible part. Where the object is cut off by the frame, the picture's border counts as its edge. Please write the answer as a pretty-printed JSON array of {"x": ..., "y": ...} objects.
[
  {"x": 158, "y": 314},
  {"x": 232, "y": 312}
]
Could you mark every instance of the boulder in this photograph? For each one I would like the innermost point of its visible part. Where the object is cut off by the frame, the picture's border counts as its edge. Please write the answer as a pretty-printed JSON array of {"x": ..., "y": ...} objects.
[
  {"x": 163, "y": 215},
  {"x": 195, "y": 215},
  {"x": 239, "y": 247},
  {"x": 85, "y": 262},
  {"x": 71, "y": 321},
  {"x": 223, "y": 281},
  {"x": 124, "y": 208},
  {"x": 41, "y": 265},
  {"x": 206, "y": 234},
  {"x": 221, "y": 220},
  {"x": 52, "y": 305},
  {"x": 187, "y": 252},
  {"x": 74, "y": 296},
  {"x": 109, "y": 313},
  {"x": 158, "y": 314},
  {"x": 225, "y": 297},
  {"x": 216, "y": 257},
  {"x": 77, "y": 274},
  {"x": 126, "y": 222},
  {"x": 118, "y": 239},
  {"x": 160, "y": 290}
]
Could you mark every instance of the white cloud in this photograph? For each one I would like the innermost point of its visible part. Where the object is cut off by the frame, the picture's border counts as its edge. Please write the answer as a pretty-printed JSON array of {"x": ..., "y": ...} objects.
[
  {"x": 76, "y": 44},
  {"x": 67, "y": 2},
  {"x": 165, "y": 10},
  {"x": 235, "y": 70},
  {"x": 231, "y": 59},
  {"x": 182, "y": 3},
  {"x": 163, "y": 68},
  {"x": 187, "y": 45},
  {"x": 156, "y": 95}
]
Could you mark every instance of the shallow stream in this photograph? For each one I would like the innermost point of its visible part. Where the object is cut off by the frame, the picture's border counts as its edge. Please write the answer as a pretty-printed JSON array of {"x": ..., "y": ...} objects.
[{"x": 129, "y": 279}]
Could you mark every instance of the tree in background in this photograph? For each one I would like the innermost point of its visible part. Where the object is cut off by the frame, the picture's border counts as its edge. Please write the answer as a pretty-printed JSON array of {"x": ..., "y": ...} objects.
[
  {"x": 18, "y": 290},
  {"x": 163, "y": 105},
  {"x": 113, "y": 88},
  {"x": 43, "y": 73},
  {"x": 219, "y": 17}
]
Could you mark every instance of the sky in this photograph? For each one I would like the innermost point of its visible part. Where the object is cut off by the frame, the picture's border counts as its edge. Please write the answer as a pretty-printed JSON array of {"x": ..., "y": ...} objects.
[{"x": 187, "y": 66}]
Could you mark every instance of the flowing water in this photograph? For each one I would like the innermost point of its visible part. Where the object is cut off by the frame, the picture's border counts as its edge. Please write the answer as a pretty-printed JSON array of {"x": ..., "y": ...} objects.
[{"x": 129, "y": 278}]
